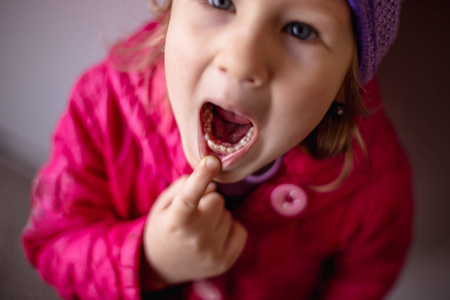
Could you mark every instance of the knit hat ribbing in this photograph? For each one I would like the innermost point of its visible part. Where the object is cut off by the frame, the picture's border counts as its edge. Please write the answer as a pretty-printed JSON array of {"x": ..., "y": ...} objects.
[{"x": 376, "y": 29}]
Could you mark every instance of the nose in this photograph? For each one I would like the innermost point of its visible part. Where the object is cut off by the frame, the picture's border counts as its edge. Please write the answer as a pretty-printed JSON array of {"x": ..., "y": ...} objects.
[{"x": 244, "y": 57}]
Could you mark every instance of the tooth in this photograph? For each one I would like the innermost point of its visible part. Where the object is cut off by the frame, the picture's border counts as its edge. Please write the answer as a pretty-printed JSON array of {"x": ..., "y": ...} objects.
[
  {"x": 207, "y": 116},
  {"x": 244, "y": 141},
  {"x": 224, "y": 147},
  {"x": 251, "y": 132},
  {"x": 207, "y": 128}
]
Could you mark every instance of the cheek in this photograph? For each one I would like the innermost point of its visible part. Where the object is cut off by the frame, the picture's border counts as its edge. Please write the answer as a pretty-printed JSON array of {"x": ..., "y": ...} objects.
[
  {"x": 182, "y": 70},
  {"x": 176, "y": 56},
  {"x": 295, "y": 119}
]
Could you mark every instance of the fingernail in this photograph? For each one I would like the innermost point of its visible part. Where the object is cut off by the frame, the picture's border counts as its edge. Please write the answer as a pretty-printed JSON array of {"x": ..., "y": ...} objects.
[{"x": 212, "y": 163}]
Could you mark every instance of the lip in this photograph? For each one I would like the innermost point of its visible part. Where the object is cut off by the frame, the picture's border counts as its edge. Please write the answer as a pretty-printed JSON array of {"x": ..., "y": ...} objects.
[{"x": 231, "y": 159}]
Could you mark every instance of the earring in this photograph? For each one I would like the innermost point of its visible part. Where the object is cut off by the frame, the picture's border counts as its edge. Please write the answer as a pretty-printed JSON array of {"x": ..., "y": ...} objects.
[
  {"x": 163, "y": 49},
  {"x": 338, "y": 109}
]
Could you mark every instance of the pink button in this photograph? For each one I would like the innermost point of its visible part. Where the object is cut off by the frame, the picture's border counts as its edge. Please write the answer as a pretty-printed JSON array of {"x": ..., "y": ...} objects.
[
  {"x": 288, "y": 200},
  {"x": 206, "y": 290}
]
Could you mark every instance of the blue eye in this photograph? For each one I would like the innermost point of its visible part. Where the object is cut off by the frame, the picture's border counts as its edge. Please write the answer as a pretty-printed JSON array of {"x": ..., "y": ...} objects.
[
  {"x": 221, "y": 4},
  {"x": 301, "y": 31}
]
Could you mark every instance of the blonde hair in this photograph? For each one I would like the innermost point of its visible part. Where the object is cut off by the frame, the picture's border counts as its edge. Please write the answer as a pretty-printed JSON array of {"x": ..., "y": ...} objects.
[
  {"x": 334, "y": 135},
  {"x": 337, "y": 132}
]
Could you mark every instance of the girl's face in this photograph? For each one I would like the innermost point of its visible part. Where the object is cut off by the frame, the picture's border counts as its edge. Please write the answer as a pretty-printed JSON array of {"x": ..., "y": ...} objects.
[{"x": 248, "y": 80}]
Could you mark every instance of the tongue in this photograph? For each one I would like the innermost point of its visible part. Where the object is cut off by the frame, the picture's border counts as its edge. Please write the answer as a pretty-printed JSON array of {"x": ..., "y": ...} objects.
[{"x": 229, "y": 127}]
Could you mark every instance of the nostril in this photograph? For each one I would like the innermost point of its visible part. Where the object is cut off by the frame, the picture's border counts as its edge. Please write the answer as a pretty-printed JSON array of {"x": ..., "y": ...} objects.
[
  {"x": 249, "y": 71},
  {"x": 249, "y": 79}
]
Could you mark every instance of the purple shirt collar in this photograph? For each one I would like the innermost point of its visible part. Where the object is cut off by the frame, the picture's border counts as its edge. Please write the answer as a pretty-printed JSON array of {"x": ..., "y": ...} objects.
[{"x": 246, "y": 185}]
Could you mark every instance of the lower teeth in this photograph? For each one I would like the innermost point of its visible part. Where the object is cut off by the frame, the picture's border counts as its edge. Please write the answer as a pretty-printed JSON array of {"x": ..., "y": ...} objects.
[{"x": 218, "y": 146}]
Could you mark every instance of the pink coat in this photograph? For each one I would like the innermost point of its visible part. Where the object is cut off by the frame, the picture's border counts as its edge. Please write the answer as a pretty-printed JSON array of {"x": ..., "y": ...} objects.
[{"x": 114, "y": 152}]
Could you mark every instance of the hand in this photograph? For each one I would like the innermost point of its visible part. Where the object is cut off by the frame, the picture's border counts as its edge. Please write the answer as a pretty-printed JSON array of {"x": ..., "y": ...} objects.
[{"x": 189, "y": 234}]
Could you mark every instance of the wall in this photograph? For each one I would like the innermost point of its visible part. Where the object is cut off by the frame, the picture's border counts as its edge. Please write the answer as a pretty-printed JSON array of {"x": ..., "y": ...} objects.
[
  {"x": 44, "y": 47},
  {"x": 414, "y": 78}
]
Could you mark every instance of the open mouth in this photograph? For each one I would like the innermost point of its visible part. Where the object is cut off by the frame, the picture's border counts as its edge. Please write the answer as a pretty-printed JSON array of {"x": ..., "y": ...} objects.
[{"x": 226, "y": 133}]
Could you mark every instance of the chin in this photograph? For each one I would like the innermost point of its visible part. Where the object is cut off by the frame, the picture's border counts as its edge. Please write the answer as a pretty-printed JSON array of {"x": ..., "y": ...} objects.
[{"x": 230, "y": 176}]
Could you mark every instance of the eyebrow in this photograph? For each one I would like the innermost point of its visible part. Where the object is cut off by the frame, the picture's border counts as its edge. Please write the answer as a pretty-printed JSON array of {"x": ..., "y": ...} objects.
[{"x": 325, "y": 15}]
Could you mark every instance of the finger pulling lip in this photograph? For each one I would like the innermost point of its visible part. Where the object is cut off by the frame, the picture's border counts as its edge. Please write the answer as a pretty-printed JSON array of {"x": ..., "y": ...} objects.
[{"x": 225, "y": 134}]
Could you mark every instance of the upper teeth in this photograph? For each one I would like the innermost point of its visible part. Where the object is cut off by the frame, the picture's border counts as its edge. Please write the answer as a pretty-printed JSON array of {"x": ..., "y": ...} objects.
[{"x": 220, "y": 146}]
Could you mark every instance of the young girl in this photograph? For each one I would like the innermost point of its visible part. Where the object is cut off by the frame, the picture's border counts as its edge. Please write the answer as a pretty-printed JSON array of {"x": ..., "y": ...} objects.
[{"x": 227, "y": 152}]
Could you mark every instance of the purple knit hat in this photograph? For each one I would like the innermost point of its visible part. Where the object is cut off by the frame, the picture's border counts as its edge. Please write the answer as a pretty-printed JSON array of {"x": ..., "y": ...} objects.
[{"x": 376, "y": 24}]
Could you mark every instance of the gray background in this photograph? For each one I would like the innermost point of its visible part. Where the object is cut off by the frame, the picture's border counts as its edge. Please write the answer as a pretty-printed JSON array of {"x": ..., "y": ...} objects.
[{"x": 46, "y": 44}]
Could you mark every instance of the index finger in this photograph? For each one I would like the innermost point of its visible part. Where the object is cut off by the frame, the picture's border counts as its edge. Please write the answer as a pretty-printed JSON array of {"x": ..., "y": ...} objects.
[{"x": 186, "y": 201}]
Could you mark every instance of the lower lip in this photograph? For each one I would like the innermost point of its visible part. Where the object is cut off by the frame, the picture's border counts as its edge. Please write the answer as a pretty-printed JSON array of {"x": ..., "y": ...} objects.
[{"x": 228, "y": 160}]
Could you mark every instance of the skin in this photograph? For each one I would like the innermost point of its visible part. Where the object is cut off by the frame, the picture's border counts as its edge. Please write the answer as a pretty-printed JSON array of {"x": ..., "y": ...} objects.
[
  {"x": 284, "y": 90},
  {"x": 189, "y": 234},
  {"x": 215, "y": 55}
]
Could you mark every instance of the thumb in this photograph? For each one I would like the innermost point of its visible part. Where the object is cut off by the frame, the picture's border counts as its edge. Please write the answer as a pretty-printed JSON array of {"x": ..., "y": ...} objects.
[{"x": 186, "y": 201}]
